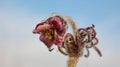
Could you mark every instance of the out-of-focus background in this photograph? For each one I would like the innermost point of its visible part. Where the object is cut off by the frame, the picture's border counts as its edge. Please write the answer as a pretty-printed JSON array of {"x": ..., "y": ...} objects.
[{"x": 20, "y": 48}]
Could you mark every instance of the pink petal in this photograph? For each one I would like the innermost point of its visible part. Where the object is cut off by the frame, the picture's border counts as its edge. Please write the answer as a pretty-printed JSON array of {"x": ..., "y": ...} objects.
[
  {"x": 47, "y": 42},
  {"x": 41, "y": 27},
  {"x": 58, "y": 40},
  {"x": 42, "y": 23},
  {"x": 57, "y": 23}
]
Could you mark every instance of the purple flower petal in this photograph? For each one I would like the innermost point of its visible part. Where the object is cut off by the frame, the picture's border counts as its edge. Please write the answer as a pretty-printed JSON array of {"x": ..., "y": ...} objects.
[
  {"x": 58, "y": 40},
  {"x": 57, "y": 23},
  {"x": 41, "y": 27},
  {"x": 47, "y": 42}
]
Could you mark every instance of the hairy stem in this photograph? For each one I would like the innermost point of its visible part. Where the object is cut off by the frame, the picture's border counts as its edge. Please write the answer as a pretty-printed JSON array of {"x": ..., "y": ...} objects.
[
  {"x": 72, "y": 61},
  {"x": 73, "y": 25}
]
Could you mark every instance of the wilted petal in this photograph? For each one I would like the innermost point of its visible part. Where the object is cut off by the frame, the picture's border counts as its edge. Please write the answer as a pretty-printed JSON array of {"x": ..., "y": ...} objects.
[
  {"x": 58, "y": 39},
  {"x": 41, "y": 27},
  {"x": 57, "y": 23},
  {"x": 47, "y": 42},
  {"x": 39, "y": 24}
]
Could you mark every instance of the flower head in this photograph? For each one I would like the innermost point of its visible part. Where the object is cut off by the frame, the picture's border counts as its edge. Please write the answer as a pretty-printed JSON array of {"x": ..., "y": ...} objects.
[{"x": 51, "y": 31}]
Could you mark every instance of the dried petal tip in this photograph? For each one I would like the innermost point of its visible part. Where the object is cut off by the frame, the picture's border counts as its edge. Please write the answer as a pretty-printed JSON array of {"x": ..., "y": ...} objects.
[{"x": 93, "y": 25}]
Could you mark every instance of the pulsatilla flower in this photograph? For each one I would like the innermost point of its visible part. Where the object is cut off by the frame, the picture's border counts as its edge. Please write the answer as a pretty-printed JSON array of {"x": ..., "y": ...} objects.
[{"x": 51, "y": 31}]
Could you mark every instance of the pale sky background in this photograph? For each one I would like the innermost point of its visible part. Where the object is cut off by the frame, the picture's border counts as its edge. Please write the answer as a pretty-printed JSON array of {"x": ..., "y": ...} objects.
[{"x": 20, "y": 48}]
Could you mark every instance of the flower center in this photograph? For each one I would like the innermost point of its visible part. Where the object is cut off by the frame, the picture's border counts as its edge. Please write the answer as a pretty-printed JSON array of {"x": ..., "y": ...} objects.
[{"x": 49, "y": 34}]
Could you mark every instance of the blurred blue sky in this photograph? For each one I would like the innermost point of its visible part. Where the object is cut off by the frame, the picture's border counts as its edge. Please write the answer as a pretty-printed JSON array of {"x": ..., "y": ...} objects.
[{"x": 18, "y": 46}]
